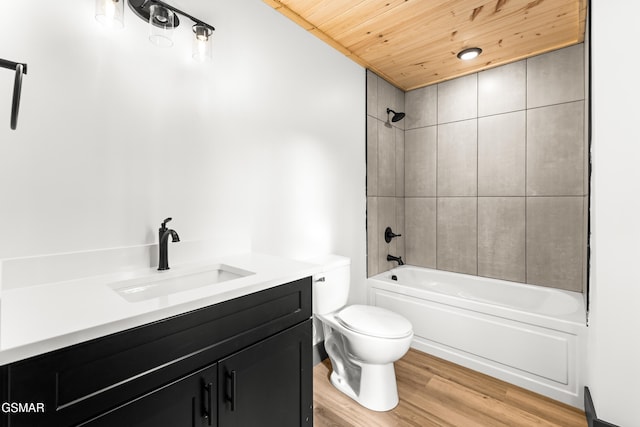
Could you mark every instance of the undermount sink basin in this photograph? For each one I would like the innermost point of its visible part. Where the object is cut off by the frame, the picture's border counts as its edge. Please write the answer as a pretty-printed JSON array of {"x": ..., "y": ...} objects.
[{"x": 170, "y": 282}]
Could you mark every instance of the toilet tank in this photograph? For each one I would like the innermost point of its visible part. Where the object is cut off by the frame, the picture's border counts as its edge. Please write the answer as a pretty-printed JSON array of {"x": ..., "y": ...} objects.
[{"x": 331, "y": 285}]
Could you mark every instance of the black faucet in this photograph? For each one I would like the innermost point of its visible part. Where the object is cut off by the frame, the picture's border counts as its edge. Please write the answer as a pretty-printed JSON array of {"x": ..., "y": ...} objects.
[
  {"x": 389, "y": 234},
  {"x": 163, "y": 242},
  {"x": 398, "y": 259}
]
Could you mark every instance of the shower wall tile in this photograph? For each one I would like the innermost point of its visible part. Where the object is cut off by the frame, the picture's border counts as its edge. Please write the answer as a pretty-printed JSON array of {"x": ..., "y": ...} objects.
[
  {"x": 399, "y": 104},
  {"x": 487, "y": 174},
  {"x": 391, "y": 97},
  {"x": 372, "y": 238},
  {"x": 372, "y": 94},
  {"x": 458, "y": 99},
  {"x": 377, "y": 248},
  {"x": 421, "y": 107},
  {"x": 586, "y": 123},
  {"x": 386, "y": 160},
  {"x": 458, "y": 159},
  {"x": 387, "y": 217},
  {"x": 556, "y": 77},
  {"x": 385, "y": 173},
  {"x": 420, "y": 228},
  {"x": 399, "y": 136},
  {"x": 457, "y": 234},
  {"x": 501, "y": 238},
  {"x": 502, "y": 89},
  {"x": 555, "y": 150},
  {"x": 386, "y": 98},
  {"x": 401, "y": 229},
  {"x": 372, "y": 156},
  {"x": 555, "y": 242},
  {"x": 501, "y": 154},
  {"x": 420, "y": 162}
]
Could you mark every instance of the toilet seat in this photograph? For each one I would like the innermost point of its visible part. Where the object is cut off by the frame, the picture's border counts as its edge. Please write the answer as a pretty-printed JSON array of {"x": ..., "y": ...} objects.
[{"x": 374, "y": 321}]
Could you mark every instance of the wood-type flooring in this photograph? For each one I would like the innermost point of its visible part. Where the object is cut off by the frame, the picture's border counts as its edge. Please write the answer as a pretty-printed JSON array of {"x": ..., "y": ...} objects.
[{"x": 434, "y": 392}]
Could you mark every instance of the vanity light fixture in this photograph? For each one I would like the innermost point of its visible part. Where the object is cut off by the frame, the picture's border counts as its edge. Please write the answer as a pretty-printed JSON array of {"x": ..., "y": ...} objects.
[
  {"x": 110, "y": 13},
  {"x": 202, "y": 46},
  {"x": 469, "y": 53},
  {"x": 162, "y": 19},
  {"x": 161, "y": 24}
]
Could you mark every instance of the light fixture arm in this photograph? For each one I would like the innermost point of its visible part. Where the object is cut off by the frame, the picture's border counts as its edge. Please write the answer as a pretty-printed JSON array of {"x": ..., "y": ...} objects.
[{"x": 186, "y": 15}]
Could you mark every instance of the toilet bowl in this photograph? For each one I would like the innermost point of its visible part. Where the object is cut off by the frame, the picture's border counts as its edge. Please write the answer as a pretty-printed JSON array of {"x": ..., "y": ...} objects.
[{"x": 362, "y": 341}]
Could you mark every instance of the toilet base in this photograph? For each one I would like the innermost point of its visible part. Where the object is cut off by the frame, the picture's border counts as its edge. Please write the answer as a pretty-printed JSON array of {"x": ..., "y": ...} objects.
[{"x": 378, "y": 389}]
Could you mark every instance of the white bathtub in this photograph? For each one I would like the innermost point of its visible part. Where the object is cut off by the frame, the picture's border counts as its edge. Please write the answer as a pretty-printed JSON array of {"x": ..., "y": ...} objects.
[{"x": 530, "y": 336}]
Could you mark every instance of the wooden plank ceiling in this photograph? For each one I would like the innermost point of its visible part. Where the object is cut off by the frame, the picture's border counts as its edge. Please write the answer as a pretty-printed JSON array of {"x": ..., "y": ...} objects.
[{"x": 414, "y": 43}]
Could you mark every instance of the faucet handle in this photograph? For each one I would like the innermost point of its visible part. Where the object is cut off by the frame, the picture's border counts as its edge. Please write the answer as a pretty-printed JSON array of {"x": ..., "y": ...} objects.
[
  {"x": 164, "y": 223},
  {"x": 388, "y": 235}
]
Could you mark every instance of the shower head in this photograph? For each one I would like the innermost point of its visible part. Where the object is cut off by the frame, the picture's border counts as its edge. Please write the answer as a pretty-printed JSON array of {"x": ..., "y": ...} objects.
[{"x": 396, "y": 116}]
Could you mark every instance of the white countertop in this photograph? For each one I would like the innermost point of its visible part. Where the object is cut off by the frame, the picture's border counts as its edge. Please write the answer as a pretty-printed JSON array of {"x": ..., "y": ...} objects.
[{"x": 41, "y": 318}]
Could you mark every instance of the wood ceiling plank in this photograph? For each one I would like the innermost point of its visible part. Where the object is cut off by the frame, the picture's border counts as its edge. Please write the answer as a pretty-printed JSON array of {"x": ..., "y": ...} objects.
[
  {"x": 582, "y": 25},
  {"x": 410, "y": 16},
  {"x": 413, "y": 43},
  {"x": 291, "y": 14},
  {"x": 496, "y": 52},
  {"x": 446, "y": 66},
  {"x": 365, "y": 11},
  {"x": 409, "y": 78},
  {"x": 526, "y": 34},
  {"x": 303, "y": 7},
  {"x": 328, "y": 10},
  {"x": 448, "y": 22},
  {"x": 449, "y": 18}
]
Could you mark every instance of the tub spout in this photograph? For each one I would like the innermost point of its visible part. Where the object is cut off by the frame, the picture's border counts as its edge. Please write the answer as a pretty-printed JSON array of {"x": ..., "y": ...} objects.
[{"x": 398, "y": 259}]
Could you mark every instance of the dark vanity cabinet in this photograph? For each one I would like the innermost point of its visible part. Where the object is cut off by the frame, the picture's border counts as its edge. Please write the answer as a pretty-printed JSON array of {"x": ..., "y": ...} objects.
[
  {"x": 258, "y": 385},
  {"x": 244, "y": 362},
  {"x": 188, "y": 401}
]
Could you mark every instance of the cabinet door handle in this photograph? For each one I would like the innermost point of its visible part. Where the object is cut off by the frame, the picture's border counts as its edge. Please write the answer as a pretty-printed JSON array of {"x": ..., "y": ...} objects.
[
  {"x": 208, "y": 402},
  {"x": 231, "y": 397}
]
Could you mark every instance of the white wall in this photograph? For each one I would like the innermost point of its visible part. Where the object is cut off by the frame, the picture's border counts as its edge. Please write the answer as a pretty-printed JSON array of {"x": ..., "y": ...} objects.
[
  {"x": 614, "y": 327},
  {"x": 263, "y": 149}
]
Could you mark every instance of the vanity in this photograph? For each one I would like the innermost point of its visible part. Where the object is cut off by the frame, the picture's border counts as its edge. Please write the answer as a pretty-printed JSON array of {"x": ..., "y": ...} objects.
[{"x": 233, "y": 353}]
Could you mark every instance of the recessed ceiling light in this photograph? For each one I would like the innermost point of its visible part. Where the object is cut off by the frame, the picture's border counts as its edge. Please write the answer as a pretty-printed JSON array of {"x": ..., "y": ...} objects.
[{"x": 470, "y": 53}]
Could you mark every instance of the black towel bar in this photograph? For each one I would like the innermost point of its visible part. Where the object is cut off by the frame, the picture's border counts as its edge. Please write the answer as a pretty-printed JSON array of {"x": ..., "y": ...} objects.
[{"x": 21, "y": 69}]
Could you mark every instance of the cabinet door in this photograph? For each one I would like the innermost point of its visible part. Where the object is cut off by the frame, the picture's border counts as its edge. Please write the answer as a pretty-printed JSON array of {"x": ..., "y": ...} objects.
[
  {"x": 269, "y": 384},
  {"x": 188, "y": 402}
]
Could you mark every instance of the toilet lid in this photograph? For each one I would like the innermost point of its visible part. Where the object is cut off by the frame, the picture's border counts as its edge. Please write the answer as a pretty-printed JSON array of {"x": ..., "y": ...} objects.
[{"x": 374, "y": 321}]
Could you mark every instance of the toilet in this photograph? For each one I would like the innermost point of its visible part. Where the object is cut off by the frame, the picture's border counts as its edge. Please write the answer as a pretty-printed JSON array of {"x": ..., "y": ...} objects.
[{"x": 362, "y": 341}]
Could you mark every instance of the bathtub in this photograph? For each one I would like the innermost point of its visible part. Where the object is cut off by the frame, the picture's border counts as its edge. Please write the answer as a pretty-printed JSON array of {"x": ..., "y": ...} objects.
[{"x": 530, "y": 336}]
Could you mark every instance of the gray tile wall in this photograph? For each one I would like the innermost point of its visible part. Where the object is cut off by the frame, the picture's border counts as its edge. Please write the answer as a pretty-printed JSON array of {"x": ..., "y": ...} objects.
[
  {"x": 495, "y": 170},
  {"x": 385, "y": 173}
]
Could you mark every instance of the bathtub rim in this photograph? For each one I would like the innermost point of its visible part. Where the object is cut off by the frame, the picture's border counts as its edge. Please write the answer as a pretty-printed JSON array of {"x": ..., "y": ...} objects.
[{"x": 569, "y": 323}]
